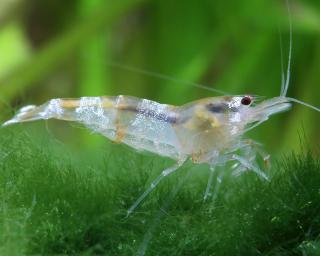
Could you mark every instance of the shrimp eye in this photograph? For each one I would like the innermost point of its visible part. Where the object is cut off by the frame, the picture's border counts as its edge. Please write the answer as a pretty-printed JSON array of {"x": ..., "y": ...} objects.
[{"x": 246, "y": 100}]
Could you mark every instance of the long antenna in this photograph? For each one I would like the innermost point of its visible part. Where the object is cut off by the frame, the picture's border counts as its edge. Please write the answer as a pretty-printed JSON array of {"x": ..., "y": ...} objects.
[
  {"x": 282, "y": 62},
  {"x": 304, "y": 104},
  {"x": 285, "y": 89},
  {"x": 165, "y": 77}
]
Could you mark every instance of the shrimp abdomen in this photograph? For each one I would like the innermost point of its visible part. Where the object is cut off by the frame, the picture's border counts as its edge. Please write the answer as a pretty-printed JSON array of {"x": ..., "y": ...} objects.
[{"x": 142, "y": 124}]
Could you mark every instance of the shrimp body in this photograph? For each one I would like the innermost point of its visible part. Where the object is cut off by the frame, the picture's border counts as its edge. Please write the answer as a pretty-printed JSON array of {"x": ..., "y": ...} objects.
[
  {"x": 208, "y": 131},
  {"x": 139, "y": 123},
  {"x": 200, "y": 130}
]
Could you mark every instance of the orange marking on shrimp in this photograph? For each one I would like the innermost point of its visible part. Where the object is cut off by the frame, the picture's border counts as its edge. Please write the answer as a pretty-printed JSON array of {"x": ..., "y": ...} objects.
[
  {"x": 120, "y": 134},
  {"x": 74, "y": 103}
]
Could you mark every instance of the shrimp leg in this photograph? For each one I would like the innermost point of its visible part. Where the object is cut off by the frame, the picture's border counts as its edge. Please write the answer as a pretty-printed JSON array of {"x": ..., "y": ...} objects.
[
  {"x": 207, "y": 192},
  {"x": 245, "y": 163},
  {"x": 257, "y": 148},
  {"x": 163, "y": 174},
  {"x": 217, "y": 187}
]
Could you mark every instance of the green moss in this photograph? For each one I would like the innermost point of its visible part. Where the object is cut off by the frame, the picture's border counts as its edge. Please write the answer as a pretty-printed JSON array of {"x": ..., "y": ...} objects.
[{"x": 52, "y": 202}]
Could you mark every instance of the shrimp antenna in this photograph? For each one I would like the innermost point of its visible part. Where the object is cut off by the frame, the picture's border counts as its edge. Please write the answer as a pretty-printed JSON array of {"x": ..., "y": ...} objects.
[
  {"x": 165, "y": 77},
  {"x": 304, "y": 104},
  {"x": 284, "y": 88},
  {"x": 285, "y": 85},
  {"x": 281, "y": 59}
]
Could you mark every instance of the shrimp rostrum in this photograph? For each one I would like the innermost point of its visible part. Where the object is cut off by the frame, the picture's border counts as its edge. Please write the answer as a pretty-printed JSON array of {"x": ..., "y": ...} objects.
[{"x": 208, "y": 131}]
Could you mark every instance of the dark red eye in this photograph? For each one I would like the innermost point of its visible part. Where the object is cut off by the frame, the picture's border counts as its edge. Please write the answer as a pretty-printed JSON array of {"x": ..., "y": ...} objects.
[{"x": 246, "y": 100}]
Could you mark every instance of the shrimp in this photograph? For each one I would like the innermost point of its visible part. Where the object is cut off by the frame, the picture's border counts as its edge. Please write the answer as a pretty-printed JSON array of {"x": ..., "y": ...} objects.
[{"x": 209, "y": 130}]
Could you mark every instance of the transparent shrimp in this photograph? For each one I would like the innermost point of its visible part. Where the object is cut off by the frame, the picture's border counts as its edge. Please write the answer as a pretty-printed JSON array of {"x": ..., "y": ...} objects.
[{"x": 209, "y": 130}]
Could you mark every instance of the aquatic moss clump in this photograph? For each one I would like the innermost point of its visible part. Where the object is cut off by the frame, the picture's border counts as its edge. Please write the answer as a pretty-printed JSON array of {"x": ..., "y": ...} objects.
[{"x": 55, "y": 202}]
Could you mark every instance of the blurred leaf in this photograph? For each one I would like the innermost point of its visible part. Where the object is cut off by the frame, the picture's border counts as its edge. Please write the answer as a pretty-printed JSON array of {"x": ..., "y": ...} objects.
[
  {"x": 14, "y": 48},
  {"x": 7, "y": 9},
  {"x": 304, "y": 121},
  {"x": 58, "y": 50},
  {"x": 306, "y": 18},
  {"x": 93, "y": 75},
  {"x": 245, "y": 64},
  {"x": 180, "y": 37}
]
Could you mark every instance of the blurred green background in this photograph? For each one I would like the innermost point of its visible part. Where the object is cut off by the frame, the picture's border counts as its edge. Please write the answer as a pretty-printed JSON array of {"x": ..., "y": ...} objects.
[{"x": 54, "y": 49}]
